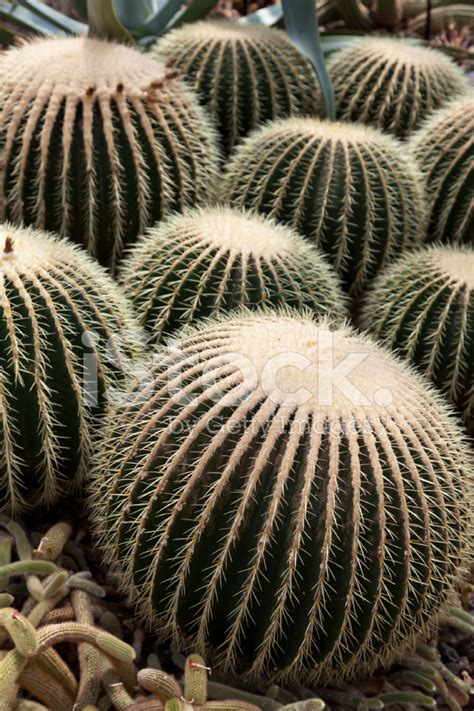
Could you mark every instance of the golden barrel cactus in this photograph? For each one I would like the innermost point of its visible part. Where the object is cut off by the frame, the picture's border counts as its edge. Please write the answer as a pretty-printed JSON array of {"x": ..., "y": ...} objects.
[
  {"x": 245, "y": 74},
  {"x": 423, "y": 307},
  {"x": 392, "y": 84},
  {"x": 68, "y": 340},
  {"x": 98, "y": 141},
  {"x": 351, "y": 190},
  {"x": 444, "y": 149},
  {"x": 212, "y": 261},
  {"x": 285, "y": 496}
]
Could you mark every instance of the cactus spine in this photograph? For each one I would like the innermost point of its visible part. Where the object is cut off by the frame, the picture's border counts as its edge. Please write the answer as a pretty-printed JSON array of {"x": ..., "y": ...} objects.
[
  {"x": 350, "y": 189},
  {"x": 61, "y": 319},
  {"x": 282, "y": 519},
  {"x": 98, "y": 142},
  {"x": 423, "y": 307},
  {"x": 246, "y": 75},
  {"x": 215, "y": 260},
  {"x": 444, "y": 149},
  {"x": 392, "y": 85}
]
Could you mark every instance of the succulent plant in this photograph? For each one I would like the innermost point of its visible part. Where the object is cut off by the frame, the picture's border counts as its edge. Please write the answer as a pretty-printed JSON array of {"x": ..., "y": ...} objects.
[
  {"x": 98, "y": 142},
  {"x": 444, "y": 149},
  {"x": 216, "y": 260},
  {"x": 245, "y": 74},
  {"x": 391, "y": 84},
  {"x": 285, "y": 498},
  {"x": 350, "y": 189},
  {"x": 67, "y": 339},
  {"x": 423, "y": 307}
]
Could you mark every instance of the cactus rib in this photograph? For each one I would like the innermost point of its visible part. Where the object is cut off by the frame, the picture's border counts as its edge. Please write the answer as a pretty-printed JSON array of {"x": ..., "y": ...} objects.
[
  {"x": 131, "y": 144},
  {"x": 349, "y": 189},
  {"x": 284, "y": 527}
]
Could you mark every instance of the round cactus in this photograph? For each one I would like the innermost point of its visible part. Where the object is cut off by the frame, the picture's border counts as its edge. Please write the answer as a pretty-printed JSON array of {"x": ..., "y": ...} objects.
[
  {"x": 215, "y": 260},
  {"x": 67, "y": 340},
  {"x": 423, "y": 306},
  {"x": 444, "y": 148},
  {"x": 98, "y": 142},
  {"x": 286, "y": 497},
  {"x": 246, "y": 75},
  {"x": 391, "y": 84},
  {"x": 350, "y": 189}
]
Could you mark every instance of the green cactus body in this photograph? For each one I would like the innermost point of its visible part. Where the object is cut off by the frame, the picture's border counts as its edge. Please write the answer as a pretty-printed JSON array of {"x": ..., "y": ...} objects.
[
  {"x": 444, "y": 149},
  {"x": 285, "y": 498},
  {"x": 212, "y": 261},
  {"x": 350, "y": 189},
  {"x": 423, "y": 307},
  {"x": 246, "y": 75},
  {"x": 98, "y": 142},
  {"x": 67, "y": 336},
  {"x": 391, "y": 84}
]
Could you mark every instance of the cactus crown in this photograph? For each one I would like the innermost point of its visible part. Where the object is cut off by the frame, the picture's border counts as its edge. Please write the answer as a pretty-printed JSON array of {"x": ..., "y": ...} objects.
[
  {"x": 54, "y": 376},
  {"x": 423, "y": 307},
  {"x": 444, "y": 149},
  {"x": 130, "y": 143},
  {"x": 246, "y": 75},
  {"x": 215, "y": 260},
  {"x": 348, "y": 188},
  {"x": 391, "y": 84},
  {"x": 285, "y": 496}
]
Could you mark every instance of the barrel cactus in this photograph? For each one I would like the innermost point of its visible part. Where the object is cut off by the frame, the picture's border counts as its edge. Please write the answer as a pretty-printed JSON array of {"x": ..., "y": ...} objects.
[
  {"x": 350, "y": 189},
  {"x": 423, "y": 307},
  {"x": 285, "y": 496},
  {"x": 391, "y": 84},
  {"x": 246, "y": 75},
  {"x": 444, "y": 148},
  {"x": 215, "y": 260},
  {"x": 98, "y": 141},
  {"x": 67, "y": 338}
]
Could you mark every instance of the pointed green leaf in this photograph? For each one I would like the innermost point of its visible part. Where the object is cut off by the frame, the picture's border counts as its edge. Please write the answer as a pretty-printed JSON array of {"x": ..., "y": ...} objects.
[
  {"x": 268, "y": 16},
  {"x": 103, "y": 21},
  {"x": 56, "y": 20},
  {"x": 301, "y": 22},
  {"x": 196, "y": 10}
]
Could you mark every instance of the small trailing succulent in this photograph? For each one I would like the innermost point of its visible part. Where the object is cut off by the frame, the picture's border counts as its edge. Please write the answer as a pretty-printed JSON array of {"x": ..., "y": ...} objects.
[{"x": 62, "y": 647}]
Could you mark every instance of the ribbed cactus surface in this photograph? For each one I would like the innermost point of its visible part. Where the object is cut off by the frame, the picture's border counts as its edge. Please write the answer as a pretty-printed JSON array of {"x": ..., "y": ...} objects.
[
  {"x": 212, "y": 261},
  {"x": 423, "y": 307},
  {"x": 67, "y": 341},
  {"x": 350, "y": 189},
  {"x": 391, "y": 84},
  {"x": 286, "y": 497},
  {"x": 98, "y": 141},
  {"x": 246, "y": 75},
  {"x": 444, "y": 149}
]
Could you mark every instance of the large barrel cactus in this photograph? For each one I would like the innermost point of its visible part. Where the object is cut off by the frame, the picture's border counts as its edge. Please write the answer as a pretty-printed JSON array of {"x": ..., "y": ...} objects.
[
  {"x": 391, "y": 84},
  {"x": 286, "y": 497},
  {"x": 212, "y": 261},
  {"x": 68, "y": 339},
  {"x": 423, "y": 307},
  {"x": 444, "y": 148},
  {"x": 246, "y": 75},
  {"x": 350, "y": 189},
  {"x": 98, "y": 141}
]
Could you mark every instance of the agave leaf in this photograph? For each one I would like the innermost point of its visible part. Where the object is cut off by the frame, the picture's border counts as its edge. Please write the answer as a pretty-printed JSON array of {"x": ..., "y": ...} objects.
[
  {"x": 268, "y": 16},
  {"x": 134, "y": 13},
  {"x": 27, "y": 21},
  {"x": 196, "y": 10},
  {"x": 158, "y": 22},
  {"x": 301, "y": 22},
  {"x": 42, "y": 12},
  {"x": 103, "y": 21}
]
